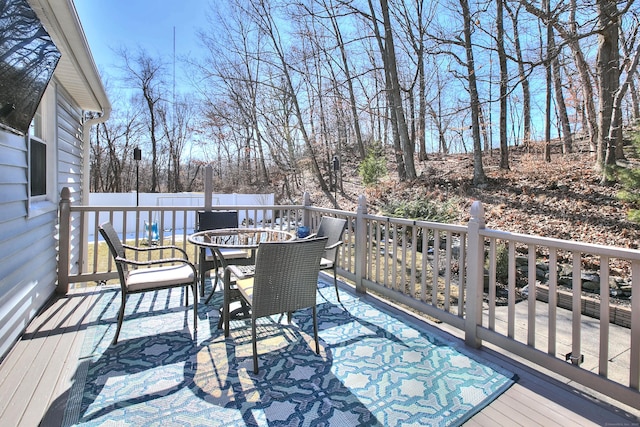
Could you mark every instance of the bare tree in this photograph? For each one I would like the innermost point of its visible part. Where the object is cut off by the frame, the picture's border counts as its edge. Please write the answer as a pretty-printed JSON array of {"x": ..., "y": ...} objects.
[
  {"x": 145, "y": 74},
  {"x": 178, "y": 128},
  {"x": 561, "y": 106},
  {"x": 514, "y": 14},
  {"x": 479, "y": 177},
  {"x": 504, "y": 85}
]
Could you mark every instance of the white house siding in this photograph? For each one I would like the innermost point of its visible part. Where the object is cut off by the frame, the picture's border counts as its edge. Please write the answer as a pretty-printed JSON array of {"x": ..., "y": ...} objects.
[
  {"x": 28, "y": 245},
  {"x": 69, "y": 146},
  {"x": 70, "y": 154}
]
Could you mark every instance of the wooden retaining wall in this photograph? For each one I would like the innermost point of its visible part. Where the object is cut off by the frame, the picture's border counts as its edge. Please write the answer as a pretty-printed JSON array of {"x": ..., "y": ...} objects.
[{"x": 618, "y": 315}]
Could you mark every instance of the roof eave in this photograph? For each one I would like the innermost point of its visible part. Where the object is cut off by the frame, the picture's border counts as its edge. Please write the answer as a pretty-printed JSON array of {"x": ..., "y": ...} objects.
[{"x": 76, "y": 71}]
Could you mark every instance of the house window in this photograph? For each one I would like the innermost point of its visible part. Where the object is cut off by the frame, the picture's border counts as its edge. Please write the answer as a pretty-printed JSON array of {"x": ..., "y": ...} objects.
[
  {"x": 41, "y": 156},
  {"x": 37, "y": 157}
]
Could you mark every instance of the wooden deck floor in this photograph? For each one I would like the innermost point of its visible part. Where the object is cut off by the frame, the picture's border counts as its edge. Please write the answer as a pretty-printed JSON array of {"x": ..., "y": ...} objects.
[{"x": 35, "y": 378}]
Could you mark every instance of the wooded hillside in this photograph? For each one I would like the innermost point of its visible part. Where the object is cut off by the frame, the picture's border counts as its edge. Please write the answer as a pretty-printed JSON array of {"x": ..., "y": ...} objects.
[{"x": 563, "y": 198}]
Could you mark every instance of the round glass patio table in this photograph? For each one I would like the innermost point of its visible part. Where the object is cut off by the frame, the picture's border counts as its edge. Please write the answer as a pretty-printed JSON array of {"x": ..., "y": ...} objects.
[
  {"x": 232, "y": 241},
  {"x": 238, "y": 238}
]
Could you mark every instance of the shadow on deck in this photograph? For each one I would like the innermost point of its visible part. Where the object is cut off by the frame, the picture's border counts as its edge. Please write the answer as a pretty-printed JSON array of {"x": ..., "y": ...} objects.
[{"x": 378, "y": 366}]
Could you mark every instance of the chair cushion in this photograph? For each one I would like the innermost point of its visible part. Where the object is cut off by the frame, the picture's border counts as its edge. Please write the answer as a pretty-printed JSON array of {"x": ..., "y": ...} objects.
[
  {"x": 159, "y": 277},
  {"x": 228, "y": 253},
  {"x": 326, "y": 263},
  {"x": 245, "y": 286}
]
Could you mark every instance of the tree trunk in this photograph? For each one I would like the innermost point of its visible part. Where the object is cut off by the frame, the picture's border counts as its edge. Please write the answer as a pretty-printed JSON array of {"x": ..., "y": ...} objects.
[
  {"x": 400, "y": 166},
  {"x": 524, "y": 80},
  {"x": 567, "y": 143},
  {"x": 571, "y": 38},
  {"x": 547, "y": 122},
  {"x": 504, "y": 81},
  {"x": 265, "y": 20},
  {"x": 635, "y": 102},
  {"x": 349, "y": 80},
  {"x": 389, "y": 56},
  {"x": 615, "y": 130},
  {"x": 607, "y": 67},
  {"x": 479, "y": 178}
]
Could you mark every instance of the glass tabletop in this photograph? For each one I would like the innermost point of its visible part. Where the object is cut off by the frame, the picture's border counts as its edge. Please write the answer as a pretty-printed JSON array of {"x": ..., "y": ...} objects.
[{"x": 239, "y": 238}]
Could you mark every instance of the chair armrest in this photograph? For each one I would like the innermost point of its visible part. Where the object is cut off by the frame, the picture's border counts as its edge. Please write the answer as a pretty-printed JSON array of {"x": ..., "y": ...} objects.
[
  {"x": 155, "y": 248},
  {"x": 311, "y": 236},
  {"x": 237, "y": 272},
  {"x": 335, "y": 245},
  {"x": 154, "y": 261}
]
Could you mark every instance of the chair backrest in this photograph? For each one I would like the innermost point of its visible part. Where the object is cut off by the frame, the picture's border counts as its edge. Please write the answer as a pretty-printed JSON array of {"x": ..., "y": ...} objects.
[
  {"x": 115, "y": 247},
  {"x": 286, "y": 276},
  {"x": 332, "y": 228},
  {"x": 215, "y": 220}
]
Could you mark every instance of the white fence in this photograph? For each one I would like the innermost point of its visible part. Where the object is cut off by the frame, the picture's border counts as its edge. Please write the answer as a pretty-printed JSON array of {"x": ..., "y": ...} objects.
[{"x": 138, "y": 219}]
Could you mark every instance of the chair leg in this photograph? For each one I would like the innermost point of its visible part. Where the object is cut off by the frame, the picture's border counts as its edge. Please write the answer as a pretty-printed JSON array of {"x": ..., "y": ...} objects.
[
  {"x": 226, "y": 303},
  {"x": 315, "y": 330},
  {"x": 195, "y": 306},
  {"x": 214, "y": 280},
  {"x": 202, "y": 277},
  {"x": 255, "y": 345},
  {"x": 201, "y": 271},
  {"x": 120, "y": 318},
  {"x": 335, "y": 283},
  {"x": 213, "y": 290}
]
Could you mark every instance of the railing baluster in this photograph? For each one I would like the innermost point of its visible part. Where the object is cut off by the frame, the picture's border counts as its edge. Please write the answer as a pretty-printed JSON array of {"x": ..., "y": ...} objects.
[
  {"x": 603, "y": 353},
  {"x": 634, "y": 360},
  {"x": 492, "y": 285},
  {"x": 414, "y": 258},
  {"x": 447, "y": 273},
  {"x": 552, "y": 300},
  {"x": 425, "y": 258},
  {"x": 436, "y": 267},
  {"x": 576, "y": 308},
  {"x": 531, "y": 306},
  {"x": 511, "y": 308},
  {"x": 462, "y": 262}
]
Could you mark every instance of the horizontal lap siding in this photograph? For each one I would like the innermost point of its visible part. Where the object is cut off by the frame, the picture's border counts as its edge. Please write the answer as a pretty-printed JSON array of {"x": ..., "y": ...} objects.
[
  {"x": 13, "y": 174},
  {"x": 70, "y": 153},
  {"x": 28, "y": 244},
  {"x": 27, "y": 254},
  {"x": 69, "y": 146}
]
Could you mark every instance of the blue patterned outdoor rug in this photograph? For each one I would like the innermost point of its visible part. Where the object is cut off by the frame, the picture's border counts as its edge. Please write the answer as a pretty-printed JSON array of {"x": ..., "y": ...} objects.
[{"x": 373, "y": 370}]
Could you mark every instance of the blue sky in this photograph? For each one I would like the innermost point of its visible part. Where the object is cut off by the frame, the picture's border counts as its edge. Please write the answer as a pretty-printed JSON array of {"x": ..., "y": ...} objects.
[{"x": 148, "y": 24}]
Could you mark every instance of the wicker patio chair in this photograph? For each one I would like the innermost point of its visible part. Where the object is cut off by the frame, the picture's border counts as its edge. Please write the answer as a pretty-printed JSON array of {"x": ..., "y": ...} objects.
[
  {"x": 333, "y": 228},
  {"x": 285, "y": 280},
  {"x": 215, "y": 220},
  {"x": 176, "y": 272}
]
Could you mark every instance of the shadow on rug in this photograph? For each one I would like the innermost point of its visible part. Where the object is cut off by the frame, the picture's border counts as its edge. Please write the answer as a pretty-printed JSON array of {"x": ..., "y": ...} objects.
[{"x": 373, "y": 369}]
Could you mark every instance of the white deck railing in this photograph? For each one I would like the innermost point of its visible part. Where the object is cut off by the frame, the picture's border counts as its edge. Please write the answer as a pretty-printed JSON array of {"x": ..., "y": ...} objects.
[{"x": 449, "y": 272}]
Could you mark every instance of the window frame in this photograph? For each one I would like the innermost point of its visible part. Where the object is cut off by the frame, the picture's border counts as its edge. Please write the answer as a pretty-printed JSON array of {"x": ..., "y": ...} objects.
[{"x": 45, "y": 118}]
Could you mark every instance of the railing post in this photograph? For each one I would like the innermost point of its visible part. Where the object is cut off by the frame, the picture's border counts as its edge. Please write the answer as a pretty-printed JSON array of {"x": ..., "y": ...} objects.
[
  {"x": 634, "y": 372},
  {"x": 64, "y": 228},
  {"x": 361, "y": 244},
  {"x": 208, "y": 188},
  {"x": 475, "y": 276},
  {"x": 306, "y": 214}
]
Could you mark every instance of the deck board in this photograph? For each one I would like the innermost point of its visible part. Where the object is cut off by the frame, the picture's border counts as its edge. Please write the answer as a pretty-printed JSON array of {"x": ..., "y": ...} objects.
[
  {"x": 35, "y": 378},
  {"x": 44, "y": 356},
  {"x": 33, "y": 353},
  {"x": 65, "y": 356}
]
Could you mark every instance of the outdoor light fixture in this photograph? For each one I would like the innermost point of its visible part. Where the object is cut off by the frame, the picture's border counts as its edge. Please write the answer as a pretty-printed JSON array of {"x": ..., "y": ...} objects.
[{"x": 137, "y": 156}]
